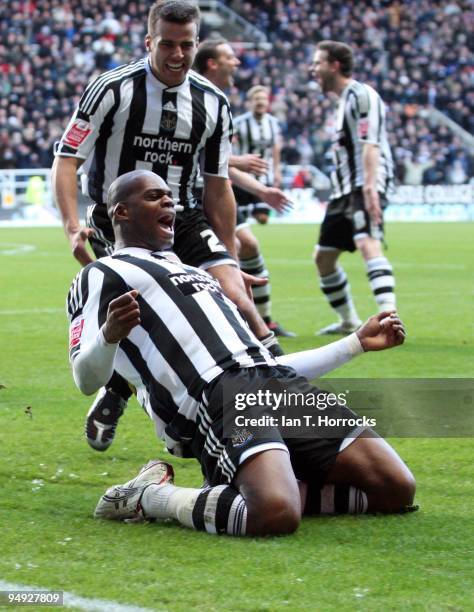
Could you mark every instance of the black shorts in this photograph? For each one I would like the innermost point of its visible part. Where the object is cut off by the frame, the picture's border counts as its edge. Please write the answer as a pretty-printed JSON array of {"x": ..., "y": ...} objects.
[
  {"x": 195, "y": 242},
  {"x": 346, "y": 220},
  {"x": 221, "y": 447},
  {"x": 251, "y": 210},
  {"x": 242, "y": 197}
]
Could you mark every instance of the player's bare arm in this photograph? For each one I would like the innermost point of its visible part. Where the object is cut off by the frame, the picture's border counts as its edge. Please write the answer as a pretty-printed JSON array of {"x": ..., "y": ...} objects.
[
  {"x": 64, "y": 183},
  {"x": 123, "y": 314},
  {"x": 273, "y": 196},
  {"x": 277, "y": 178},
  {"x": 382, "y": 331},
  {"x": 370, "y": 160},
  {"x": 220, "y": 209},
  {"x": 249, "y": 162}
]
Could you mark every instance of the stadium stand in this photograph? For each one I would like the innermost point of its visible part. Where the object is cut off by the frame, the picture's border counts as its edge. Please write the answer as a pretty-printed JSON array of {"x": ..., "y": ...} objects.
[{"x": 415, "y": 53}]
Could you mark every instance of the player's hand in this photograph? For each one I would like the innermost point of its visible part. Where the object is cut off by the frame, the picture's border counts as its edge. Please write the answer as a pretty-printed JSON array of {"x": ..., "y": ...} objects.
[
  {"x": 78, "y": 242},
  {"x": 381, "y": 331},
  {"x": 372, "y": 205},
  {"x": 276, "y": 199},
  {"x": 123, "y": 314},
  {"x": 251, "y": 163},
  {"x": 251, "y": 281}
]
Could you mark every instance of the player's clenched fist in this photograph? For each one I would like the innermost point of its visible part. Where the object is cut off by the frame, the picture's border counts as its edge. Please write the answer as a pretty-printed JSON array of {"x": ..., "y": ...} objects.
[
  {"x": 383, "y": 330},
  {"x": 123, "y": 314}
]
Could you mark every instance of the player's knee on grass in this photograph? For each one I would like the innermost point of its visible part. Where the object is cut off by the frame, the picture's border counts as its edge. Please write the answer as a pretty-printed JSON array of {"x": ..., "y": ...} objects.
[
  {"x": 395, "y": 491},
  {"x": 267, "y": 483},
  {"x": 372, "y": 465},
  {"x": 273, "y": 513}
]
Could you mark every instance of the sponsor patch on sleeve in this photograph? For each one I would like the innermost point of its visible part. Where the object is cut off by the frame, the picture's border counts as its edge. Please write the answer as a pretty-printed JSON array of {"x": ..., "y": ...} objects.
[
  {"x": 75, "y": 332},
  {"x": 363, "y": 128},
  {"x": 77, "y": 133}
]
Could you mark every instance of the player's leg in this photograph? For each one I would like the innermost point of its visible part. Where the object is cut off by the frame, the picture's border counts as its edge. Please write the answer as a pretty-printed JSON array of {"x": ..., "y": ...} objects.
[
  {"x": 337, "y": 290},
  {"x": 110, "y": 401},
  {"x": 268, "y": 485},
  {"x": 336, "y": 237},
  {"x": 370, "y": 464},
  {"x": 367, "y": 238},
  {"x": 252, "y": 262},
  {"x": 347, "y": 469},
  {"x": 252, "y": 487},
  {"x": 263, "y": 500}
]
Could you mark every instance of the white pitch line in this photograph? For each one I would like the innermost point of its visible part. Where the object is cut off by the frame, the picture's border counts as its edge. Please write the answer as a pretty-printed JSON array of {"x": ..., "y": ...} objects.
[
  {"x": 402, "y": 264},
  {"x": 12, "y": 248},
  {"x": 30, "y": 311},
  {"x": 70, "y": 600}
]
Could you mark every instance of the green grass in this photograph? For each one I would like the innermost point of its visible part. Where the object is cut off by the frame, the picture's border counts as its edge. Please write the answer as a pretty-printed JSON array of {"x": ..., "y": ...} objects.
[{"x": 50, "y": 480}]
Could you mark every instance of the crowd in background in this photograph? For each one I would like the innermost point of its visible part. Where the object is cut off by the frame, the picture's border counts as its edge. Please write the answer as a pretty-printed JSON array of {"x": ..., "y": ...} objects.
[{"x": 415, "y": 53}]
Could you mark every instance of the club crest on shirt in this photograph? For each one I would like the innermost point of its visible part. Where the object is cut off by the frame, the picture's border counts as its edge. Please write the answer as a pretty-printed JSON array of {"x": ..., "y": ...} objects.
[
  {"x": 240, "y": 437},
  {"x": 169, "y": 120}
]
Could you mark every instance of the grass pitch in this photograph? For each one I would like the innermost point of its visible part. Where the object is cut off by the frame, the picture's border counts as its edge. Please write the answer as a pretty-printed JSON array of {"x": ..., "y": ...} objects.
[{"x": 50, "y": 479}]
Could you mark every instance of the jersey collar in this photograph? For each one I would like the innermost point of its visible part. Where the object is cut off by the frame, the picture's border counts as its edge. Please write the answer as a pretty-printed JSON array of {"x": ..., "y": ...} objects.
[{"x": 140, "y": 251}]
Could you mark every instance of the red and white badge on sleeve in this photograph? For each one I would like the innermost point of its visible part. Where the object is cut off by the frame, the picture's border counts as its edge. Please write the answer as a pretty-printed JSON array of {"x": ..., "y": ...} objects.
[
  {"x": 363, "y": 128},
  {"x": 77, "y": 133},
  {"x": 75, "y": 332}
]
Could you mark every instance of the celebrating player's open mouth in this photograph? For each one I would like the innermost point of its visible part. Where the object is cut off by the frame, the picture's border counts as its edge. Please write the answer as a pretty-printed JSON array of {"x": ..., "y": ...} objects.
[{"x": 166, "y": 225}]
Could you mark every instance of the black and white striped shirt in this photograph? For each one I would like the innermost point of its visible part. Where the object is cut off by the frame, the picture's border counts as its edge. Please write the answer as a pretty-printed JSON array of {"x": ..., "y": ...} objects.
[
  {"x": 189, "y": 333},
  {"x": 127, "y": 119},
  {"x": 360, "y": 118},
  {"x": 259, "y": 136}
]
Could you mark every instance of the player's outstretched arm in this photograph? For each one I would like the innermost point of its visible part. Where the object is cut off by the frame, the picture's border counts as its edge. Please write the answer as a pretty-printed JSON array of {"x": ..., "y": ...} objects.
[
  {"x": 273, "y": 196},
  {"x": 379, "y": 332},
  {"x": 93, "y": 365},
  {"x": 249, "y": 162},
  {"x": 64, "y": 184}
]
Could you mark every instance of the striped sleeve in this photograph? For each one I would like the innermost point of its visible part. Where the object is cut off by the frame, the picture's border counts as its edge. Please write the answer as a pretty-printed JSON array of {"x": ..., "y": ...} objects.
[
  {"x": 75, "y": 301},
  {"x": 370, "y": 112},
  {"x": 218, "y": 146},
  {"x": 98, "y": 99},
  {"x": 83, "y": 129}
]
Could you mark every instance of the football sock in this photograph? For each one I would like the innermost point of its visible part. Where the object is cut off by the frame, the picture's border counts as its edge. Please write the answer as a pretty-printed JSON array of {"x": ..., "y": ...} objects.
[
  {"x": 270, "y": 342},
  {"x": 337, "y": 290},
  {"x": 335, "y": 499},
  {"x": 382, "y": 282},
  {"x": 218, "y": 509},
  {"x": 261, "y": 295},
  {"x": 119, "y": 385}
]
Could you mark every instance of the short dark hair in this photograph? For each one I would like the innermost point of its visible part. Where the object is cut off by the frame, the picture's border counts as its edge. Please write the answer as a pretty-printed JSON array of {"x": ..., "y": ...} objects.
[
  {"x": 207, "y": 50},
  {"x": 174, "y": 11},
  {"x": 338, "y": 52}
]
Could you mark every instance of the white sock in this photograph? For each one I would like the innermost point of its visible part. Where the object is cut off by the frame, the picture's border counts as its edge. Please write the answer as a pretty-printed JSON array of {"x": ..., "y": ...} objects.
[{"x": 218, "y": 509}]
